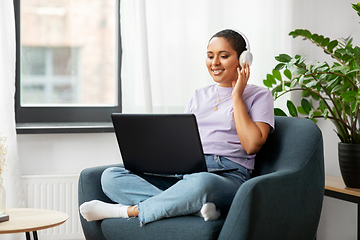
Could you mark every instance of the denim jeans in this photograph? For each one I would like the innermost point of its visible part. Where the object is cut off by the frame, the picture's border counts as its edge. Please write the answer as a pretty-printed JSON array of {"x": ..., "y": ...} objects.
[{"x": 160, "y": 197}]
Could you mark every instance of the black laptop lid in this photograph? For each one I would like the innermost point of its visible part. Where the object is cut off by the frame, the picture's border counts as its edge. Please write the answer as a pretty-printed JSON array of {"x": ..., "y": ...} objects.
[{"x": 159, "y": 143}]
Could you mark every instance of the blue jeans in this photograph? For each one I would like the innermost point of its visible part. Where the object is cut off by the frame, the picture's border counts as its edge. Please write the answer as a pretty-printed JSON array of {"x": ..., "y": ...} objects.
[{"x": 160, "y": 197}]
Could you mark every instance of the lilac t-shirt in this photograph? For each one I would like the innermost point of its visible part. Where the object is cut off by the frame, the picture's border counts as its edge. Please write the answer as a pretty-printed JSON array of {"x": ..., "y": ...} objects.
[{"x": 217, "y": 128}]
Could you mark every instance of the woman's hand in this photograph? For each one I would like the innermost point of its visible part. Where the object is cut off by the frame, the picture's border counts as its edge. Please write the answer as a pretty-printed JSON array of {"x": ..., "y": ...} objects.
[
  {"x": 241, "y": 82},
  {"x": 252, "y": 135}
]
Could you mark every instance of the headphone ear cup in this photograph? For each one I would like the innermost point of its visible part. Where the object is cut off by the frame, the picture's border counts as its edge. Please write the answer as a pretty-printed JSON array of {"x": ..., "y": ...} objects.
[{"x": 246, "y": 56}]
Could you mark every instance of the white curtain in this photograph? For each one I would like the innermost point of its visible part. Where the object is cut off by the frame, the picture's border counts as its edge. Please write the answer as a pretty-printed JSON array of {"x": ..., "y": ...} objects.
[
  {"x": 164, "y": 46},
  {"x": 12, "y": 175}
]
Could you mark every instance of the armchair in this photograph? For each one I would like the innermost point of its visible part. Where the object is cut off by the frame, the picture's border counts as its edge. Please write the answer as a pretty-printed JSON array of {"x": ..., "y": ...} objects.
[{"x": 282, "y": 201}]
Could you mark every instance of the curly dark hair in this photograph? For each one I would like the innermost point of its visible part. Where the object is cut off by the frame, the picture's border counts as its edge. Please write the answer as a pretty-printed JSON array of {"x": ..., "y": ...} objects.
[{"x": 235, "y": 39}]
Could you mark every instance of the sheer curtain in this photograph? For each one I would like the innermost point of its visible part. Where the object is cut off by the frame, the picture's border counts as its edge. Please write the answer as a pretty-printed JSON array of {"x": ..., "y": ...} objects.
[
  {"x": 12, "y": 175},
  {"x": 164, "y": 46}
]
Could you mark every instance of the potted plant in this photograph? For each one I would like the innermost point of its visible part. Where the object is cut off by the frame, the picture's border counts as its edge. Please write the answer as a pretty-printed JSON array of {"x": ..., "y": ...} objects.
[{"x": 329, "y": 91}]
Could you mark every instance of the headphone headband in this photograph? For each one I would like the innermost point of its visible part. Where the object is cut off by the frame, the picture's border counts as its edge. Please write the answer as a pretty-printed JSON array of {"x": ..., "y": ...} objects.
[
  {"x": 245, "y": 39},
  {"x": 246, "y": 55}
]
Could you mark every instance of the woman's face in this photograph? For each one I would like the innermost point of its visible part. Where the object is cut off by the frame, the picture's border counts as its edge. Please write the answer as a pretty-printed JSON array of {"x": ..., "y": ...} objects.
[{"x": 222, "y": 62}]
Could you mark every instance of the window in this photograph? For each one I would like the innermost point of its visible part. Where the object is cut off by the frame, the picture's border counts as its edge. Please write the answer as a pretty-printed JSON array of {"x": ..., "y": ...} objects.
[
  {"x": 68, "y": 62},
  {"x": 49, "y": 76}
]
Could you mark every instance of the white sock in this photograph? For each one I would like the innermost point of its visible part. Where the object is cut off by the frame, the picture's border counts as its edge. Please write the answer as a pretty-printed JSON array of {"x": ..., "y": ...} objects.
[
  {"x": 97, "y": 210},
  {"x": 208, "y": 212}
]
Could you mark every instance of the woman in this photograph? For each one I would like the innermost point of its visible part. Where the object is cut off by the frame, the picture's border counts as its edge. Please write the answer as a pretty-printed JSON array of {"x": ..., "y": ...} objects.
[{"x": 234, "y": 120}]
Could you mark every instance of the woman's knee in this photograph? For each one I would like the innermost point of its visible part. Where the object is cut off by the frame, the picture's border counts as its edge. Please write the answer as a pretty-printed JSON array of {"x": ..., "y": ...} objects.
[
  {"x": 203, "y": 181},
  {"x": 110, "y": 174}
]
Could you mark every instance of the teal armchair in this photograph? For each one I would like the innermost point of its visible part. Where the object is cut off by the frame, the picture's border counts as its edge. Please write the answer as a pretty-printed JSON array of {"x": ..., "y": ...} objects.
[{"x": 282, "y": 201}]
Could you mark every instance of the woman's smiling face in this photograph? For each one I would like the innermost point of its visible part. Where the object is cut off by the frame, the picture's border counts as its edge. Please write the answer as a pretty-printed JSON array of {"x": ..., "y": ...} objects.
[{"x": 222, "y": 62}]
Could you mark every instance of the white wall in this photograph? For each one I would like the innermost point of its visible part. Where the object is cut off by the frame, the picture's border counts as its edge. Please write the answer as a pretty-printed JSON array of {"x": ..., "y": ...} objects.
[
  {"x": 70, "y": 153},
  {"x": 334, "y": 19},
  {"x": 66, "y": 153}
]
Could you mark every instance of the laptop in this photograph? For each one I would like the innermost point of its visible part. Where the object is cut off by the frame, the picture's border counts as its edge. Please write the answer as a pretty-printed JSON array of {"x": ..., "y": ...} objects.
[{"x": 160, "y": 143}]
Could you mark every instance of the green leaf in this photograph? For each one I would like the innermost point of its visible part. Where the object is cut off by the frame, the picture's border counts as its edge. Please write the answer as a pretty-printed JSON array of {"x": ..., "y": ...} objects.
[
  {"x": 314, "y": 120},
  {"x": 315, "y": 96},
  {"x": 307, "y": 33},
  {"x": 311, "y": 84},
  {"x": 339, "y": 68},
  {"x": 293, "y": 83},
  {"x": 301, "y": 110},
  {"x": 279, "y": 66},
  {"x": 349, "y": 96},
  {"x": 318, "y": 65},
  {"x": 326, "y": 114},
  {"x": 279, "y": 112},
  {"x": 301, "y": 80},
  {"x": 332, "y": 45},
  {"x": 305, "y": 104},
  {"x": 354, "y": 106},
  {"x": 332, "y": 83},
  {"x": 353, "y": 71},
  {"x": 302, "y": 60},
  {"x": 298, "y": 71},
  {"x": 317, "y": 113},
  {"x": 267, "y": 83},
  {"x": 315, "y": 37},
  {"x": 277, "y": 74},
  {"x": 356, "y": 7},
  {"x": 322, "y": 106},
  {"x": 288, "y": 74},
  {"x": 270, "y": 78},
  {"x": 311, "y": 114},
  {"x": 305, "y": 93},
  {"x": 338, "y": 88},
  {"x": 284, "y": 58},
  {"x": 325, "y": 42},
  {"x": 301, "y": 32},
  {"x": 292, "y": 109},
  {"x": 357, "y": 52}
]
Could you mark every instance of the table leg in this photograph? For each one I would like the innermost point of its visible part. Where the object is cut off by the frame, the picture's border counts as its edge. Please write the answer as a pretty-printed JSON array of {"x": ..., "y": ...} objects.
[{"x": 34, "y": 235}]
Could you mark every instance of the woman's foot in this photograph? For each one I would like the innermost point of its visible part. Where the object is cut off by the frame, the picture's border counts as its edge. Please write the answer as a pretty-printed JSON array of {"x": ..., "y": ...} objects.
[
  {"x": 208, "y": 212},
  {"x": 98, "y": 210}
]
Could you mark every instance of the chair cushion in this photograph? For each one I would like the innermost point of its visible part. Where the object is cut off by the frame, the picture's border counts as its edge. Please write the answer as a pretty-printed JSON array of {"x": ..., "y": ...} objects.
[{"x": 185, "y": 227}]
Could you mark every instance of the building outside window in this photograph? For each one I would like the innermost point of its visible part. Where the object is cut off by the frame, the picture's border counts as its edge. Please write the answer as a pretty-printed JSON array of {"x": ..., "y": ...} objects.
[{"x": 69, "y": 56}]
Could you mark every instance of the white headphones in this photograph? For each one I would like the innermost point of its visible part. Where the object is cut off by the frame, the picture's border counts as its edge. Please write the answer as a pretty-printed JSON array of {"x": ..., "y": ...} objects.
[{"x": 246, "y": 56}]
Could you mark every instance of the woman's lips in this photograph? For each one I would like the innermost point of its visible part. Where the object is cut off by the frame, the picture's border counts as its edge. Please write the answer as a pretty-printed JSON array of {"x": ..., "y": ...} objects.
[{"x": 217, "y": 71}]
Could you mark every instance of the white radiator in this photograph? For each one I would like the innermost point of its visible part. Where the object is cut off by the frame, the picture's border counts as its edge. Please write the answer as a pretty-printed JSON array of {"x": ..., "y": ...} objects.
[{"x": 55, "y": 192}]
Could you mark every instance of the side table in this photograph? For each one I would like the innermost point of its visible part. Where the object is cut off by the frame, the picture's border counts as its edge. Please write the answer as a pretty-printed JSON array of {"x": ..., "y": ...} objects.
[
  {"x": 31, "y": 220},
  {"x": 335, "y": 188}
]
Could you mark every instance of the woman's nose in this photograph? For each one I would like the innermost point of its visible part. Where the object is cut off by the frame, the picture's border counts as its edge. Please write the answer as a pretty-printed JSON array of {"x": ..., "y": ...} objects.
[{"x": 216, "y": 61}]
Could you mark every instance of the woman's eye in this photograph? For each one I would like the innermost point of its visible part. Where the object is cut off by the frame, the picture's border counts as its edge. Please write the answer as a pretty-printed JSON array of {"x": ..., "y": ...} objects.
[
  {"x": 224, "y": 56},
  {"x": 210, "y": 57}
]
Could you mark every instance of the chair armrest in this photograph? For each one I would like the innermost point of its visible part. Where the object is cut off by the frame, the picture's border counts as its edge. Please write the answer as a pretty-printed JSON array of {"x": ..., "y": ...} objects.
[
  {"x": 90, "y": 184},
  {"x": 90, "y": 189},
  {"x": 277, "y": 206}
]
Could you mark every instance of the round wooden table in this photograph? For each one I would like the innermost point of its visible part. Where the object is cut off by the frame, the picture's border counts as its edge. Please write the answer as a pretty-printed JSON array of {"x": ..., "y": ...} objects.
[{"x": 30, "y": 220}]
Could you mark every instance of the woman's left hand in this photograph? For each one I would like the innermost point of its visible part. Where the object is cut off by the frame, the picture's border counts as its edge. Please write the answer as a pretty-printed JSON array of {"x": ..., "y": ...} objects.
[{"x": 241, "y": 82}]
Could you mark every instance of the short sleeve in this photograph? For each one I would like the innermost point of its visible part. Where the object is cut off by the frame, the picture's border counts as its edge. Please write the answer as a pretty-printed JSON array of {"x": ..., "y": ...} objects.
[{"x": 262, "y": 108}]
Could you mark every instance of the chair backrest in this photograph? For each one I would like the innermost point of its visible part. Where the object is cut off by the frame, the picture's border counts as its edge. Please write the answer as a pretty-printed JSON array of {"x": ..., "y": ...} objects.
[
  {"x": 292, "y": 137},
  {"x": 284, "y": 198}
]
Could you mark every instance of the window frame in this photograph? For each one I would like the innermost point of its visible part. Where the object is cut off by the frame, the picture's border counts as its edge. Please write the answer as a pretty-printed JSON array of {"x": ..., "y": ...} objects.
[{"x": 63, "y": 119}]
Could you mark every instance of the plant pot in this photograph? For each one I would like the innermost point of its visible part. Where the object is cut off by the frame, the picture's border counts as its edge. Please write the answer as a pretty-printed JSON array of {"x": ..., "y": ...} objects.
[{"x": 349, "y": 160}]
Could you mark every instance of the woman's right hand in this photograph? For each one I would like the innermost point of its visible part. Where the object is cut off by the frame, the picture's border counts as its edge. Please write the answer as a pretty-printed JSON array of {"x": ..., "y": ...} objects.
[{"x": 241, "y": 82}]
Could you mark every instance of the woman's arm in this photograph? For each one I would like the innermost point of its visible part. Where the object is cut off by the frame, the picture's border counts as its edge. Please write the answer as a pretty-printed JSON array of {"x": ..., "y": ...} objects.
[{"x": 252, "y": 135}]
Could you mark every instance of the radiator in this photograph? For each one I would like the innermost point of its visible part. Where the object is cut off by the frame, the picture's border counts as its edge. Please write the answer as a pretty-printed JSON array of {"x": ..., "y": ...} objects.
[{"x": 55, "y": 192}]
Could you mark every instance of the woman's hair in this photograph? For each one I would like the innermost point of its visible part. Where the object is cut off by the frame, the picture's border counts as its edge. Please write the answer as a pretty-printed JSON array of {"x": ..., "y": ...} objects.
[{"x": 234, "y": 38}]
